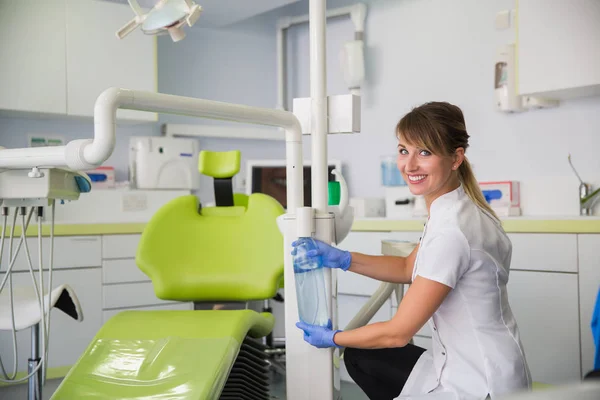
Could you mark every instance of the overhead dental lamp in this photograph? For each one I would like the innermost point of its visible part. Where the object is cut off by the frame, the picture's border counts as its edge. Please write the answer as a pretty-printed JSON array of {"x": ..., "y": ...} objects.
[{"x": 167, "y": 16}]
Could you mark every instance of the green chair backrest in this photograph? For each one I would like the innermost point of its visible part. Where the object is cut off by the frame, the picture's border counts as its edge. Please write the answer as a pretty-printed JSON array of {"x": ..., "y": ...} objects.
[{"x": 220, "y": 254}]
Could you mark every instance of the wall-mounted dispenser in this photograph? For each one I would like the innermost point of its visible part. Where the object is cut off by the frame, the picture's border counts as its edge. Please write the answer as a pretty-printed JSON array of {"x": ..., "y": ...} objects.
[{"x": 505, "y": 77}]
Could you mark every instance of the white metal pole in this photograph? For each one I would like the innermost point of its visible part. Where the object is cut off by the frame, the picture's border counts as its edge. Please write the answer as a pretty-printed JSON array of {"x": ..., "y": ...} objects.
[
  {"x": 318, "y": 94},
  {"x": 311, "y": 373},
  {"x": 33, "y": 157},
  {"x": 281, "y": 68},
  {"x": 335, "y": 12}
]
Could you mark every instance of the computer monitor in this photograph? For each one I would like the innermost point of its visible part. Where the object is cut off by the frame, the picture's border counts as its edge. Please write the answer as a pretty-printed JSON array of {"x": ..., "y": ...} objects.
[{"x": 269, "y": 177}]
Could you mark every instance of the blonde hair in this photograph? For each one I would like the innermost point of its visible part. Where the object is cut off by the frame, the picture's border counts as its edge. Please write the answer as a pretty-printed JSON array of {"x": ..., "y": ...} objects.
[{"x": 440, "y": 128}]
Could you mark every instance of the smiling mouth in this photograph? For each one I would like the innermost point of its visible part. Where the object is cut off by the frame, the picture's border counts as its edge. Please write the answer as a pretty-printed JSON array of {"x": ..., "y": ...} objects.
[{"x": 416, "y": 178}]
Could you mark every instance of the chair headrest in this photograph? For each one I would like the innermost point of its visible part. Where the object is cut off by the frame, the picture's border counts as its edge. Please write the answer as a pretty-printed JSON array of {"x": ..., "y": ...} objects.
[{"x": 219, "y": 164}]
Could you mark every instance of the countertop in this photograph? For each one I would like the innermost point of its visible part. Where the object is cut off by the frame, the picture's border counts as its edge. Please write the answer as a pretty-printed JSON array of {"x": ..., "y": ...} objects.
[{"x": 524, "y": 224}]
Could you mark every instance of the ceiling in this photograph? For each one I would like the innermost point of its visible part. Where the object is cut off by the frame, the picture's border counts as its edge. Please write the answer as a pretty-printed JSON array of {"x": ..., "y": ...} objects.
[{"x": 219, "y": 13}]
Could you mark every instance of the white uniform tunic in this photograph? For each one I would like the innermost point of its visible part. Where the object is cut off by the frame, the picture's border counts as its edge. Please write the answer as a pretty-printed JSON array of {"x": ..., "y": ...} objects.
[{"x": 476, "y": 348}]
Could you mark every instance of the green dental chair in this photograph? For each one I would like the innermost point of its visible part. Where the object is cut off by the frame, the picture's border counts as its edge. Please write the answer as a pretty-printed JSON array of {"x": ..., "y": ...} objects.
[{"x": 232, "y": 252}]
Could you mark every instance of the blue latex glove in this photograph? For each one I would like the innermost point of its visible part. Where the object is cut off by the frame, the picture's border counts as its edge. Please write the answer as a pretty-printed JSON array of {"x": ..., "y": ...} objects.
[
  {"x": 318, "y": 336},
  {"x": 332, "y": 257}
]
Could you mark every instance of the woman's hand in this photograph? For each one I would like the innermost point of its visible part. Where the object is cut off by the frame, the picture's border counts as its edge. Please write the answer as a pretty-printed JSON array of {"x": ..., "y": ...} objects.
[
  {"x": 332, "y": 257},
  {"x": 318, "y": 336}
]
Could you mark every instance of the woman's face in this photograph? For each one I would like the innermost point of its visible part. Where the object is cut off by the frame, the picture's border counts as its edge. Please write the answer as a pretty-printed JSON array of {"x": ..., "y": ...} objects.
[{"x": 427, "y": 174}]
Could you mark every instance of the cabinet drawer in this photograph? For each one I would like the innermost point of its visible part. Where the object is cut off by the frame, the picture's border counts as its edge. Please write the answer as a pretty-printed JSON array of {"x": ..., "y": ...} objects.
[
  {"x": 120, "y": 246},
  {"x": 545, "y": 306},
  {"x": 108, "y": 314},
  {"x": 69, "y": 252},
  {"x": 544, "y": 252},
  {"x": 122, "y": 271},
  {"x": 130, "y": 295}
]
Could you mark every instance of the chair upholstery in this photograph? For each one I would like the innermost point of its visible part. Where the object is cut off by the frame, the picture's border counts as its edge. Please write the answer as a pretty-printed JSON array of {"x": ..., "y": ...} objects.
[
  {"x": 162, "y": 354},
  {"x": 221, "y": 254},
  {"x": 201, "y": 254}
]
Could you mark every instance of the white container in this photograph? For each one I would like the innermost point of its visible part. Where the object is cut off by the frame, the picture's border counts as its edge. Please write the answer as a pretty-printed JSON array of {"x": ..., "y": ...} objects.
[
  {"x": 399, "y": 202},
  {"x": 368, "y": 207},
  {"x": 503, "y": 197},
  {"x": 164, "y": 163},
  {"x": 505, "y": 87}
]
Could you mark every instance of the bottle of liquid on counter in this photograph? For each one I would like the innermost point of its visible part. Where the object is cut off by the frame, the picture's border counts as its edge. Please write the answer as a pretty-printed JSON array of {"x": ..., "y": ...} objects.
[{"x": 309, "y": 275}]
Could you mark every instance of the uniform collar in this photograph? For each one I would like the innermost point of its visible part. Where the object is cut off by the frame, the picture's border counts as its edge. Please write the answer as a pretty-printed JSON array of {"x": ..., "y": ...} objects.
[{"x": 446, "y": 200}]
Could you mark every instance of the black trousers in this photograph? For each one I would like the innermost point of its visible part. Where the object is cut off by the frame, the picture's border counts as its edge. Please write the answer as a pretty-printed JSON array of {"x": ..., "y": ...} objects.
[{"x": 382, "y": 373}]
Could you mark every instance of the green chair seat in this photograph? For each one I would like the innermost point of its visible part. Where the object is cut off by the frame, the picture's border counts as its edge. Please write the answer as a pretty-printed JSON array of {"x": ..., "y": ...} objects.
[{"x": 162, "y": 354}]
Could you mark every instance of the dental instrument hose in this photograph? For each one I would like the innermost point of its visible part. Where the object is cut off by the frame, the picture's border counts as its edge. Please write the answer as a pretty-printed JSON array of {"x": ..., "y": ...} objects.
[
  {"x": 14, "y": 333},
  {"x": 44, "y": 307}
]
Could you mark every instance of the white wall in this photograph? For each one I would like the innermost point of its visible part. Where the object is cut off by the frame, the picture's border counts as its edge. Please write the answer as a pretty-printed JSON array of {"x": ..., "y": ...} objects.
[
  {"x": 236, "y": 65},
  {"x": 425, "y": 50},
  {"x": 416, "y": 51}
]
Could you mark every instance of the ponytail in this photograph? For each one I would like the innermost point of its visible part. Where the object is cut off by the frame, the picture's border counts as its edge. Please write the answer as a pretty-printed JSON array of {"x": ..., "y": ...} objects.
[{"x": 472, "y": 189}]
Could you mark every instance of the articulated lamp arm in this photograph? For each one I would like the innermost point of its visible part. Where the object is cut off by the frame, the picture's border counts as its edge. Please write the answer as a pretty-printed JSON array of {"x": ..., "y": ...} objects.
[{"x": 88, "y": 154}]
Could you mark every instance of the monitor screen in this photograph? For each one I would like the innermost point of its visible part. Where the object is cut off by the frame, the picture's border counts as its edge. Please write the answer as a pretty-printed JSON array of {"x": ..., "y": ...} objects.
[{"x": 269, "y": 178}]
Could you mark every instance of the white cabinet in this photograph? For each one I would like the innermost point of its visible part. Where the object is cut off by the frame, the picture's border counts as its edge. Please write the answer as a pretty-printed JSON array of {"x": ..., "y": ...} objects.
[
  {"x": 97, "y": 59},
  {"x": 531, "y": 252},
  {"x": 589, "y": 283},
  {"x": 68, "y": 338},
  {"x": 59, "y": 55},
  {"x": 545, "y": 306},
  {"x": 32, "y": 71},
  {"x": 558, "y": 49},
  {"x": 69, "y": 252},
  {"x": 124, "y": 285}
]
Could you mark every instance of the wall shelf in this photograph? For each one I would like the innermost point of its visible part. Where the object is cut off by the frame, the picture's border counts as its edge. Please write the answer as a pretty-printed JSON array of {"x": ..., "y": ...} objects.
[{"x": 220, "y": 131}]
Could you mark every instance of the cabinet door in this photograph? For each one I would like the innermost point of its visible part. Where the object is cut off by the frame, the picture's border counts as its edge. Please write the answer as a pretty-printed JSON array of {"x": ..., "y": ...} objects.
[
  {"x": 97, "y": 59},
  {"x": 545, "y": 305},
  {"x": 530, "y": 252},
  {"x": 69, "y": 252},
  {"x": 558, "y": 48},
  {"x": 120, "y": 246},
  {"x": 32, "y": 71},
  {"x": 589, "y": 283},
  {"x": 68, "y": 338}
]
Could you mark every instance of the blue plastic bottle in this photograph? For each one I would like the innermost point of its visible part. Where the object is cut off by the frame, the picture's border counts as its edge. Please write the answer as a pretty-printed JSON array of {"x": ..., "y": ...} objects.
[{"x": 310, "y": 285}]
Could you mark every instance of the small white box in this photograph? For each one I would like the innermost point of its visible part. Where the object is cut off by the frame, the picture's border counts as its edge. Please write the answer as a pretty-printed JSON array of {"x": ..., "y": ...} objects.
[
  {"x": 368, "y": 207},
  {"x": 503, "y": 197},
  {"x": 343, "y": 113},
  {"x": 502, "y": 193},
  {"x": 399, "y": 202},
  {"x": 157, "y": 162}
]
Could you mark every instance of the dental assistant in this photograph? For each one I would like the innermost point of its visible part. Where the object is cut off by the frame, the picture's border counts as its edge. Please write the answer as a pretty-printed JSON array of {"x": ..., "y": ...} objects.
[{"x": 458, "y": 275}]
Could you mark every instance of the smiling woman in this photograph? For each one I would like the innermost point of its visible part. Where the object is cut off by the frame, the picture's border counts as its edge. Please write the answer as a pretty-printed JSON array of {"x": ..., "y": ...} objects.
[
  {"x": 458, "y": 277},
  {"x": 433, "y": 140}
]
